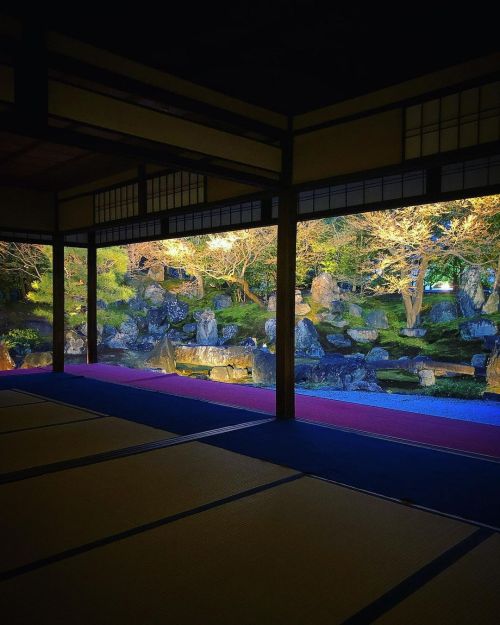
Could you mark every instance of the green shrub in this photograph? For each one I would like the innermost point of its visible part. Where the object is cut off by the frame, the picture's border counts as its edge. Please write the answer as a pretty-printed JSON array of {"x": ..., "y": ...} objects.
[{"x": 24, "y": 338}]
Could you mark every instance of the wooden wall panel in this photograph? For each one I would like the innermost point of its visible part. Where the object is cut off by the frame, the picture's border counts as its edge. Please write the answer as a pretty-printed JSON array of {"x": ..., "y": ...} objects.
[
  {"x": 363, "y": 144},
  {"x": 23, "y": 209}
]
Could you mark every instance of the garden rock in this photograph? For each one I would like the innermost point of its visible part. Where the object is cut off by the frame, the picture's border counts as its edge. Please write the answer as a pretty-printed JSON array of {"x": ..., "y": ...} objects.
[
  {"x": 270, "y": 330},
  {"x": 337, "y": 307},
  {"x": 263, "y": 367},
  {"x": 324, "y": 289},
  {"x": 443, "y": 311},
  {"x": 493, "y": 372},
  {"x": 101, "y": 304},
  {"x": 6, "y": 362},
  {"x": 470, "y": 294},
  {"x": 363, "y": 335},
  {"x": 157, "y": 273},
  {"x": 228, "y": 333},
  {"x": 155, "y": 294},
  {"x": 377, "y": 353},
  {"x": 416, "y": 333},
  {"x": 301, "y": 307},
  {"x": 490, "y": 342},
  {"x": 344, "y": 374},
  {"x": 206, "y": 331},
  {"x": 175, "y": 311},
  {"x": 426, "y": 377},
  {"x": 306, "y": 339},
  {"x": 189, "y": 328},
  {"x": 492, "y": 304},
  {"x": 478, "y": 361},
  {"x": 176, "y": 335},
  {"x": 126, "y": 335},
  {"x": 271, "y": 303},
  {"x": 228, "y": 374},
  {"x": 249, "y": 342},
  {"x": 355, "y": 310},
  {"x": 477, "y": 329},
  {"x": 222, "y": 301},
  {"x": 377, "y": 319},
  {"x": 146, "y": 343},
  {"x": 338, "y": 340},
  {"x": 163, "y": 356},
  {"x": 215, "y": 356},
  {"x": 37, "y": 359},
  {"x": 74, "y": 343}
]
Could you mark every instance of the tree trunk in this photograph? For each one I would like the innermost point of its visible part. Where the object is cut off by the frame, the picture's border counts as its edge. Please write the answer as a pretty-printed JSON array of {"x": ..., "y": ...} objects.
[
  {"x": 246, "y": 289},
  {"x": 413, "y": 301}
]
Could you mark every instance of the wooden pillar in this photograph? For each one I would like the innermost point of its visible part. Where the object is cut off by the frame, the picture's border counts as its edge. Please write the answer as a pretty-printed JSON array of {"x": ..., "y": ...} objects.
[
  {"x": 285, "y": 296},
  {"x": 91, "y": 300},
  {"x": 58, "y": 302},
  {"x": 285, "y": 306}
]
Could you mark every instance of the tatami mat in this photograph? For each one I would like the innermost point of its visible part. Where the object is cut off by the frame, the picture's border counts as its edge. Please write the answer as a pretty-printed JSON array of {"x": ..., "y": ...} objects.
[
  {"x": 300, "y": 553},
  {"x": 82, "y": 505},
  {"x": 31, "y": 448},
  {"x": 467, "y": 593},
  {"x": 16, "y": 398},
  {"x": 41, "y": 414}
]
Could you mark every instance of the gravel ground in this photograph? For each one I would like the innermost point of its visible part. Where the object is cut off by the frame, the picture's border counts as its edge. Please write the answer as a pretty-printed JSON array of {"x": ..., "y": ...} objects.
[{"x": 476, "y": 410}]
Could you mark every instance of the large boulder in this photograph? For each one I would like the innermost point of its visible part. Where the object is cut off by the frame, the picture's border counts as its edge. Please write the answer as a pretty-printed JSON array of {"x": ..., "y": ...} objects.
[
  {"x": 6, "y": 362},
  {"x": 347, "y": 374},
  {"x": 37, "y": 359},
  {"x": 493, "y": 371},
  {"x": 214, "y": 356},
  {"x": 477, "y": 329},
  {"x": 377, "y": 319},
  {"x": 443, "y": 311},
  {"x": 221, "y": 301},
  {"x": 126, "y": 335},
  {"x": 306, "y": 339},
  {"x": 157, "y": 273},
  {"x": 163, "y": 356},
  {"x": 156, "y": 321},
  {"x": 492, "y": 304},
  {"x": 301, "y": 307},
  {"x": 206, "y": 330},
  {"x": 355, "y": 310},
  {"x": 324, "y": 289},
  {"x": 270, "y": 329},
  {"x": 471, "y": 294},
  {"x": 339, "y": 340},
  {"x": 337, "y": 307},
  {"x": 377, "y": 353},
  {"x": 263, "y": 367},
  {"x": 175, "y": 311},
  {"x": 271, "y": 303},
  {"x": 228, "y": 374},
  {"x": 363, "y": 335},
  {"x": 229, "y": 332},
  {"x": 155, "y": 294},
  {"x": 478, "y": 361},
  {"x": 74, "y": 343}
]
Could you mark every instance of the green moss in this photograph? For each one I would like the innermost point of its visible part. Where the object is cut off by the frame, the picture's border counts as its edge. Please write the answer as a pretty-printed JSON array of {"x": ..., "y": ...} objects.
[{"x": 250, "y": 317}]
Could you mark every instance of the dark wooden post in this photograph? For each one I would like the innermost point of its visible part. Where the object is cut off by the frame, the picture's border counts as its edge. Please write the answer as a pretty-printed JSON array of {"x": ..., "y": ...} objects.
[
  {"x": 285, "y": 296},
  {"x": 58, "y": 302},
  {"x": 91, "y": 300},
  {"x": 285, "y": 306}
]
